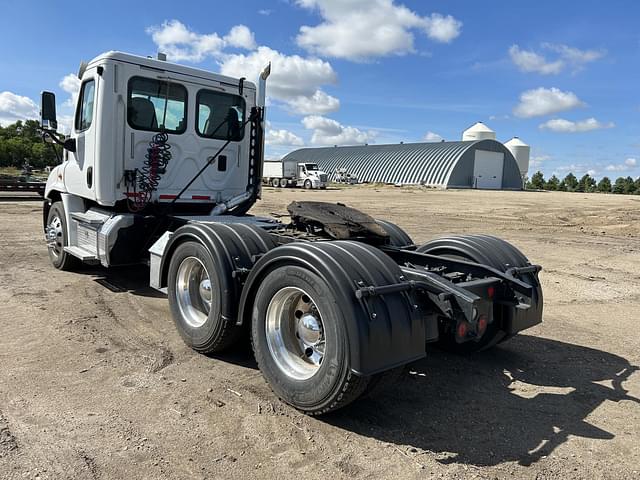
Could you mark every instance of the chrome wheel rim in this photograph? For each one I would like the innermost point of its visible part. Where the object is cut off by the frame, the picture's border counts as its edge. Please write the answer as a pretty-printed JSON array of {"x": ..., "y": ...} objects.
[
  {"x": 55, "y": 236},
  {"x": 193, "y": 292},
  {"x": 295, "y": 333}
]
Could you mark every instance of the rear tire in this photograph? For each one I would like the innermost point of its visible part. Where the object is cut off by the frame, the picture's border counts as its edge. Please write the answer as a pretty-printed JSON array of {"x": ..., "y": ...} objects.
[
  {"x": 307, "y": 368},
  {"x": 283, "y": 182},
  {"x": 275, "y": 182},
  {"x": 487, "y": 250},
  {"x": 195, "y": 299},
  {"x": 57, "y": 233}
]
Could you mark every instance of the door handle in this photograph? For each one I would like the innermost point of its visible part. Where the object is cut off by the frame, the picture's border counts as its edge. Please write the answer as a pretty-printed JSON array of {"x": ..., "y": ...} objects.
[{"x": 89, "y": 177}]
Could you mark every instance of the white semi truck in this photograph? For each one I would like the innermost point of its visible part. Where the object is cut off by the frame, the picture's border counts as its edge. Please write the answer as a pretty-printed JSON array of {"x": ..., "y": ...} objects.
[
  {"x": 161, "y": 167},
  {"x": 291, "y": 173}
]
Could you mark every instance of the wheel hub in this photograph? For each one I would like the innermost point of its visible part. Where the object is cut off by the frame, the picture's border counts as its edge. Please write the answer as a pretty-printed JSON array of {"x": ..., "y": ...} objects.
[
  {"x": 309, "y": 329},
  {"x": 295, "y": 333},
  {"x": 205, "y": 290},
  {"x": 193, "y": 291},
  {"x": 54, "y": 236}
]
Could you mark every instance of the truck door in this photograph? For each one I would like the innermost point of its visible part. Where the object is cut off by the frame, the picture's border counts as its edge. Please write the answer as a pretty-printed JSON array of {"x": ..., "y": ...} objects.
[
  {"x": 302, "y": 174},
  {"x": 79, "y": 173}
]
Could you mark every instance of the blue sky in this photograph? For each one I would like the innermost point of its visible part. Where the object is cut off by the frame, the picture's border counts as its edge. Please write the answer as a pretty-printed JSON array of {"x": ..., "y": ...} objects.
[{"x": 563, "y": 76}]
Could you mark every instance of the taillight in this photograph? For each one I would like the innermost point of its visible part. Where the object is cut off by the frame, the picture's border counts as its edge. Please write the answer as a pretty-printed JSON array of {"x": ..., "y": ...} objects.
[
  {"x": 462, "y": 330},
  {"x": 491, "y": 292},
  {"x": 482, "y": 324}
]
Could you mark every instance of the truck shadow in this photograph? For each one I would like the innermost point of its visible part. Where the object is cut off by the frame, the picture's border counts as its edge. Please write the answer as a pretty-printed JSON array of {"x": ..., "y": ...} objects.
[
  {"x": 518, "y": 402},
  {"x": 132, "y": 279}
]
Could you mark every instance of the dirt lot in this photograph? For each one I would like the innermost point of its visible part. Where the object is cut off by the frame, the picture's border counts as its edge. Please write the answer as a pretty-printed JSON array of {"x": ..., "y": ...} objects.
[{"x": 96, "y": 383}]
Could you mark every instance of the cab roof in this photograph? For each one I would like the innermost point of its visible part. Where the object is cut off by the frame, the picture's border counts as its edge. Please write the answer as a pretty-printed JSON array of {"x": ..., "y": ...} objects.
[{"x": 167, "y": 67}]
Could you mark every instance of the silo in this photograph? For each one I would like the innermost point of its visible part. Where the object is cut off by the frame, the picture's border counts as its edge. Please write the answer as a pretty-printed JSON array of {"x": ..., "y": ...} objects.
[
  {"x": 520, "y": 152},
  {"x": 478, "y": 131}
]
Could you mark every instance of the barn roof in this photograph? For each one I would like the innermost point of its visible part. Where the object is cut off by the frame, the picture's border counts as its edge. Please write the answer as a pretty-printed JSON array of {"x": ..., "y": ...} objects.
[{"x": 406, "y": 163}]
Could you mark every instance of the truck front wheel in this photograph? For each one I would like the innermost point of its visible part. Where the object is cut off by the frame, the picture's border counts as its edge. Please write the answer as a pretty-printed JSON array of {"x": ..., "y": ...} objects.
[
  {"x": 300, "y": 343},
  {"x": 308, "y": 185},
  {"x": 195, "y": 296},
  {"x": 57, "y": 236}
]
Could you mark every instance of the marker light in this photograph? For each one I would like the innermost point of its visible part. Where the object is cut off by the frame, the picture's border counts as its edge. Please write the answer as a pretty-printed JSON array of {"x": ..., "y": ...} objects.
[{"x": 482, "y": 324}]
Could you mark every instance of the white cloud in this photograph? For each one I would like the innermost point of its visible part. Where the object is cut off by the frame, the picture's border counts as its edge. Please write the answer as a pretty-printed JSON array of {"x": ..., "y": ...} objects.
[
  {"x": 574, "y": 56},
  {"x": 265, "y": 11},
  {"x": 629, "y": 164},
  {"x": 319, "y": 103},
  {"x": 560, "y": 125},
  {"x": 281, "y": 137},
  {"x": 182, "y": 44},
  {"x": 65, "y": 122},
  {"x": 364, "y": 29},
  {"x": 442, "y": 28},
  {"x": 327, "y": 131},
  {"x": 577, "y": 169},
  {"x": 240, "y": 36},
  {"x": 294, "y": 79},
  {"x": 531, "y": 61},
  {"x": 432, "y": 137},
  {"x": 70, "y": 83},
  {"x": 537, "y": 160},
  {"x": 15, "y": 107},
  {"x": 528, "y": 61},
  {"x": 544, "y": 101}
]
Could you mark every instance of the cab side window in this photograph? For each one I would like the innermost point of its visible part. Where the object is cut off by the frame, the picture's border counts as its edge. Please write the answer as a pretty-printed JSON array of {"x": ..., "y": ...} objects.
[
  {"x": 84, "y": 114},
  {"x": 157, "y": 106},
  {"x": 220, "y": 115}
]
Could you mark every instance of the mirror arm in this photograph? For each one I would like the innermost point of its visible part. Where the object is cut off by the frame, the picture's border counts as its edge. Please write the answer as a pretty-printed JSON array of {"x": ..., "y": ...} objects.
[{"x": 68, "y": 144}]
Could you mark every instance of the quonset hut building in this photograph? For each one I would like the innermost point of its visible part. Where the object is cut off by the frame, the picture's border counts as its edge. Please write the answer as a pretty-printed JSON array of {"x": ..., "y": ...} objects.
[{"x": 478, "y": 161}]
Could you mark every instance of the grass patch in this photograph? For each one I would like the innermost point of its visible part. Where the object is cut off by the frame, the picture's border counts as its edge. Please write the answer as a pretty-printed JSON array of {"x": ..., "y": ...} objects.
[{"x": 11, "y": 171}]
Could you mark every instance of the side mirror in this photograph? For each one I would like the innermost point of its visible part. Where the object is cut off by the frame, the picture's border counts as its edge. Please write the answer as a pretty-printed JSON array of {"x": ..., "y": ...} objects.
[{"x": 48, "y": 119}]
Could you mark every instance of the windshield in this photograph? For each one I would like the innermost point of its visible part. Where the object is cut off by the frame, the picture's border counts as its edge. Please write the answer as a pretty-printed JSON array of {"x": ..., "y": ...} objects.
[{"x": 311, "y": 166}]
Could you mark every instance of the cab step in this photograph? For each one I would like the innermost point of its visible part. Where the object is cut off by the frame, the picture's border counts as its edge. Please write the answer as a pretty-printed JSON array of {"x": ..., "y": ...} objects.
[{"x": 81, "y": 253}]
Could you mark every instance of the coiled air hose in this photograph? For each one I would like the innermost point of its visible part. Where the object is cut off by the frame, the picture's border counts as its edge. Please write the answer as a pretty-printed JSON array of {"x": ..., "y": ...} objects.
[{"x": 155, "y": 165}]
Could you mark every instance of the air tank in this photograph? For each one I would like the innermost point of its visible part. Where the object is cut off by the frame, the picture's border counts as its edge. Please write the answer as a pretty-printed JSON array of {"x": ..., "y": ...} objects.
[
  {"x": 521, "y": 152},
  {"x": 478, "y": 131}
]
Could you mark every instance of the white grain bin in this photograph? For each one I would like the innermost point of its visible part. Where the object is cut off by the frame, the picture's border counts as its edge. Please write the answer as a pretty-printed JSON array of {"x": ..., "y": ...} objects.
[
  {"x": 478, "y": 131},
  {"x": 521, "y": 152}
]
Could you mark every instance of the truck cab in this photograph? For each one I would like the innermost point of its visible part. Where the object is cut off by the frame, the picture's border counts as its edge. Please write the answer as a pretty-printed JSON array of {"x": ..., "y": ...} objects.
[
  {"x": 310, "y": 176},
  {"x": 149, "y": 139},
  {"x": 124, "y": 102}
]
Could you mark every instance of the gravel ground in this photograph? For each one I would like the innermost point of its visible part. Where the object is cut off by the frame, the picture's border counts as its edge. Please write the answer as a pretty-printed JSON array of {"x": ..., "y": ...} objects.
[{"x": 95, "y": 382}]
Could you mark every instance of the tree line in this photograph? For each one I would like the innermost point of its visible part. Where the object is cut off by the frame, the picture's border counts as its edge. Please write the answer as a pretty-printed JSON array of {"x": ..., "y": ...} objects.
[
  {"x": 22, "y": 141},
  {"x": 570, "y": 183}
]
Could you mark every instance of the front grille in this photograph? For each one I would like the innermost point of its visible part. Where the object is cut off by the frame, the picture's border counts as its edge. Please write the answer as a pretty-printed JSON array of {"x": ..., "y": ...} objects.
[{"x": 323, "y": 178}]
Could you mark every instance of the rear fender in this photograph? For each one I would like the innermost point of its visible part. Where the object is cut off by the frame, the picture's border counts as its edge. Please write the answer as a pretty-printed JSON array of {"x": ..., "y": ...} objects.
[
  {"x": 383, "y": 331},
  {"x": 234, "y": 249}
]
